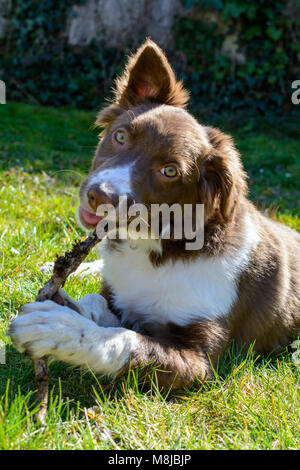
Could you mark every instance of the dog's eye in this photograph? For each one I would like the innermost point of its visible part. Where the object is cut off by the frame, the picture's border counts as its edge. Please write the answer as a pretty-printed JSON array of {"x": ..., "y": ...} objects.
[
  {"x": 120, "y": 137},
  {"x": 169, "y": 171}
]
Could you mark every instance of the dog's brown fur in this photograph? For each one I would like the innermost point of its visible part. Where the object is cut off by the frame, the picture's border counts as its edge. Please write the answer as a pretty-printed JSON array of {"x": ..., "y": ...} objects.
[{"x": 268, "y": 304}]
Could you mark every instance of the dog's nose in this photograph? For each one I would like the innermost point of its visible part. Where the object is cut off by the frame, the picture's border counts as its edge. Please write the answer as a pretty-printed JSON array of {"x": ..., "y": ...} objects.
[{"x": 96, "y": 197}]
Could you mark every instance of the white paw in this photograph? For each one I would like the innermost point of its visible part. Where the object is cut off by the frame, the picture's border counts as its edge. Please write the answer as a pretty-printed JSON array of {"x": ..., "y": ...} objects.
[
  {"x": 85, "y": 269},
  {"x": 51, "y": 329},
  {"x": 91, "y": 306},
  {"x": 95, "y": 308}
]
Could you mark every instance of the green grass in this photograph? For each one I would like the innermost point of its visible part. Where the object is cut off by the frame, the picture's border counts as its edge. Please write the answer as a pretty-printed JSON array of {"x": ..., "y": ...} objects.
[{"x": 251, "y": 403}]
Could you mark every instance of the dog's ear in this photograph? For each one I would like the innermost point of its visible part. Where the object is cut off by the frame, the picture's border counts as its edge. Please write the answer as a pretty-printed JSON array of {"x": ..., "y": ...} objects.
[
  {"x": 222, "y": 178},
  {"x": 216, "y": 187},
  {"x": 149, "y": 76},
  {"x": 107, "y": 116}
]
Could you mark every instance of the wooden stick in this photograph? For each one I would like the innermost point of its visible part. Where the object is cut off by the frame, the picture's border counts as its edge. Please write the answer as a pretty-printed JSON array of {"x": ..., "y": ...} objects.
[{"x": 63, "y": 267}]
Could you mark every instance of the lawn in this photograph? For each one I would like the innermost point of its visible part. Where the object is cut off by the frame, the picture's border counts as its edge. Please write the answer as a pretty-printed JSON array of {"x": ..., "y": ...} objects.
[{"x": 252, "y": 403}]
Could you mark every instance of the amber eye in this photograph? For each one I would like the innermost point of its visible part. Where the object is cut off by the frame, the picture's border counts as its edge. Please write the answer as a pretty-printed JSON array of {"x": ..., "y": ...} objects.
[
  {"x": 120, "y": 137},
  {"x": 169, "y": 171}
]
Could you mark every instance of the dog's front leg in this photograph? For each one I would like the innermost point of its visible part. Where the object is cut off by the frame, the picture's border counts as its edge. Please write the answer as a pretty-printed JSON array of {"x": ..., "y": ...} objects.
[
  {"x": 52, "y": 329},
  {"x": 180, "y": 354},
  {"x": 171, "y": 365}
]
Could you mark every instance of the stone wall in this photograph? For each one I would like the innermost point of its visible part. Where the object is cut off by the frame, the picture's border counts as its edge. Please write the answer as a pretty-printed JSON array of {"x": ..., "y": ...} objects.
[
  {"x": 121, "y": 22},
  {"x": 117, "y": 22}
]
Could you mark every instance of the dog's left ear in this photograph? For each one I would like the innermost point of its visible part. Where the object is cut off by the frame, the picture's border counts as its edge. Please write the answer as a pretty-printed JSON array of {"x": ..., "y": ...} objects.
[
  {"x": 148, "y": 76},
  {"x": 222, "y": 178}
]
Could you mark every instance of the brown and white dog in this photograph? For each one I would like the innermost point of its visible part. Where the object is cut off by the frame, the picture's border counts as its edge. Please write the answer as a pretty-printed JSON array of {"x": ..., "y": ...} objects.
[{"x": 162, "y": 305}]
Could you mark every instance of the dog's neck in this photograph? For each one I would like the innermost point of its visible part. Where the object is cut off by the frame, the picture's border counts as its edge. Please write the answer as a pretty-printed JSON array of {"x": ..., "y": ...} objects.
[{"x": 219, "y": 239}]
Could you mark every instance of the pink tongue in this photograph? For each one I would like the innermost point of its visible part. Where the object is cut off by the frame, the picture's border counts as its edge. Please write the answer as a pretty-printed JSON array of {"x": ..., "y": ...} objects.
[{"x": 89, "y": 218}]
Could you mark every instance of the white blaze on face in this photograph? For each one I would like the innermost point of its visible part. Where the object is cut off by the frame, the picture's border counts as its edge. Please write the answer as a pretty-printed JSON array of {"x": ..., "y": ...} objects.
[{"x": 113, "y": 180}]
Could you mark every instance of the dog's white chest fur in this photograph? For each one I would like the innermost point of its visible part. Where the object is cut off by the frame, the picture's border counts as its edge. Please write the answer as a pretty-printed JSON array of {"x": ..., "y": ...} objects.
[{"x": 178, "y": 292}]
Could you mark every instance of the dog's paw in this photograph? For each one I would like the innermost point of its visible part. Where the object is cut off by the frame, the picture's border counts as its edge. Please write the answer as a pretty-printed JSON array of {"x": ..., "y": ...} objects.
[
  {"x": 92, "y": 268},
  {"x": 49, "y": 329},
  {"x": 91, "y": 306},
  {"x": 85, "y": 269},
  {"x": 62, "y": 298},
  {"x": 95, "y": 308}
]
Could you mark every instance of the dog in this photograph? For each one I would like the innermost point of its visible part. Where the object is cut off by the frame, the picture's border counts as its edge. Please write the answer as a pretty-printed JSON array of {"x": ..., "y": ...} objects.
[{"x": 162, "y": 307}]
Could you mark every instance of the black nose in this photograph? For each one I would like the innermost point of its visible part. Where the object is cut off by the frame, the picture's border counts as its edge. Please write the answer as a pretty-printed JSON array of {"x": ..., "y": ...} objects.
[{"x": 96, "y": 197}]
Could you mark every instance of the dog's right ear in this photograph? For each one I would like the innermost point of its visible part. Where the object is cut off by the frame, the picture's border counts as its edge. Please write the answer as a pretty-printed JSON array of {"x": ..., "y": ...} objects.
[{"x": 148, "y": 76}]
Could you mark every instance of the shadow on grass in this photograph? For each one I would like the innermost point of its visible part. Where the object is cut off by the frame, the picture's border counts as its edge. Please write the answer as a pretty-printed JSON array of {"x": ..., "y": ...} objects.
[
  {"x": 73, "y": 389},
  {"x": 69, "y": 383}
]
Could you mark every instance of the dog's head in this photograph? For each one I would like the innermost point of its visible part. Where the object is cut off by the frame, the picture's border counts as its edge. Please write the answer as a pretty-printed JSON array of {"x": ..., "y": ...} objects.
[{"x": 154, "y": 151}]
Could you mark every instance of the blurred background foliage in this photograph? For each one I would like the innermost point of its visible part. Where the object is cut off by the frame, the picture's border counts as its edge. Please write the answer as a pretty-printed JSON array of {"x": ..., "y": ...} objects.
[{"x": 233, "y": 55}]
